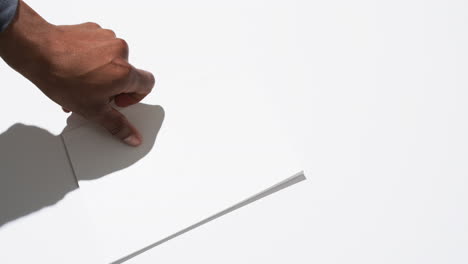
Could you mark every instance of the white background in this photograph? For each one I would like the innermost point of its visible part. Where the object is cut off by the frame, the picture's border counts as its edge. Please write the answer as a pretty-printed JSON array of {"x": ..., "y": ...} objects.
[{"x": 371, "y": 94}]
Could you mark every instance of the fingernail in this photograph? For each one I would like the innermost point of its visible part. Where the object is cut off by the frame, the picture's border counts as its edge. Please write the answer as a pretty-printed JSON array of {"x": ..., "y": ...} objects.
[{"x": 132, "y": 140}]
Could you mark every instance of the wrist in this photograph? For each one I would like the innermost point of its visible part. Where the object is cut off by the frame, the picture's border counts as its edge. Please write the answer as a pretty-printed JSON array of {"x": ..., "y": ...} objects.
[{"x": 23, "y": 39}]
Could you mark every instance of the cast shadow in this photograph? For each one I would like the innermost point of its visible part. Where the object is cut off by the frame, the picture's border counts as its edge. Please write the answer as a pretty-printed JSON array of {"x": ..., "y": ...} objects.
[{"x": 35, "y": 171}]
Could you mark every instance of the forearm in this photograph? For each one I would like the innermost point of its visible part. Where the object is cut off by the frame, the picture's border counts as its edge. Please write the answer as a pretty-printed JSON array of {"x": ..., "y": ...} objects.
[{"x": 21, "y": 42}]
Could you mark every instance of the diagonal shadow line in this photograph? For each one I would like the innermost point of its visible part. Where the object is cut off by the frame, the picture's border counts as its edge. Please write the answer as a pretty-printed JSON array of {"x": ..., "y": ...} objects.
[
  {"x": 69, "y": 160},
  {"x": 298, "y": 177}
]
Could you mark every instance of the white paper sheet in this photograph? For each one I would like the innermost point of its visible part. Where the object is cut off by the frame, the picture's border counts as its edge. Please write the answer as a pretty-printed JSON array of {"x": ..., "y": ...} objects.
[{"x": 195, "y": 167}]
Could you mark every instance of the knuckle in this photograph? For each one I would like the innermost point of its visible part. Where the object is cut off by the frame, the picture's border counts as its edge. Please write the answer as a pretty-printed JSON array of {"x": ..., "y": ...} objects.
[
  {"x": 117, "y": 125},
  {"x": 124, "y": 72},
  {"x": 122, "y": 46},
  {"x": 110, "y": 32},
  {"x": 123, "y": 69},
  {"x": 93, "y": 25},
  {"x": 121, "y": 43},
  {"x": 152, "y": 80}
]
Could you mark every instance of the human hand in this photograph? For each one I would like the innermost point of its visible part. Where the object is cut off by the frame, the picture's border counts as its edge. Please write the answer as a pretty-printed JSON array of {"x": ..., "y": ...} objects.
[{"x": 80, "y": 67}]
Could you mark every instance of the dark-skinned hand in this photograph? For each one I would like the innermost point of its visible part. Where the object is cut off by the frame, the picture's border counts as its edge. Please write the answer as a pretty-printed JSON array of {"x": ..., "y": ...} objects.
[{"x": 83, "y": 68}]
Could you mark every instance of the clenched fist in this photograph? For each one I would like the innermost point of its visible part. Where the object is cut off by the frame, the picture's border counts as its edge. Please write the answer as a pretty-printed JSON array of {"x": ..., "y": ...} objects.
[{"x": 80, "y": 67}]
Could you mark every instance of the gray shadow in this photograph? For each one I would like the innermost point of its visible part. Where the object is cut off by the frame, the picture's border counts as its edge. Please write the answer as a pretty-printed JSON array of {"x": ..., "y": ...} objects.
[
  {"x": 93, "y": 153},
  {"x": 35, "y": 171}
]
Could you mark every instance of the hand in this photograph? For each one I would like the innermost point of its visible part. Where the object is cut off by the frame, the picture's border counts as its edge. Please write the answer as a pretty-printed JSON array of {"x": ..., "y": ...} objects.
[{"x": 80, "y": 67}]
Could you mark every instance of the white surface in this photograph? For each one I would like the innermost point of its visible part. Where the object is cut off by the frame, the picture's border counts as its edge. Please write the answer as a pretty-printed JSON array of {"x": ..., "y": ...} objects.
[
  {"x": 372, "y": 95},
  {"x": 288, "y": 182},
  {"x": 197, "y": 167}
]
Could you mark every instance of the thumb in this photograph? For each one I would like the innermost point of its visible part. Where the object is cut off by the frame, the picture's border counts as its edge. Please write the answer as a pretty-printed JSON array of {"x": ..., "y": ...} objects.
[{"x": 118, "y": 125}]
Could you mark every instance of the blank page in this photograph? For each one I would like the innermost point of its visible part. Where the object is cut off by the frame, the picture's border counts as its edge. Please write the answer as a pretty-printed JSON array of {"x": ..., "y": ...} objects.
[{"x": 190, "y": 166}]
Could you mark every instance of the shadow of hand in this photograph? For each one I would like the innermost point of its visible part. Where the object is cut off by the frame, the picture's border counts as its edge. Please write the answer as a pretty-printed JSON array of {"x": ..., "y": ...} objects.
[{"x": 35, "y": 171}]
